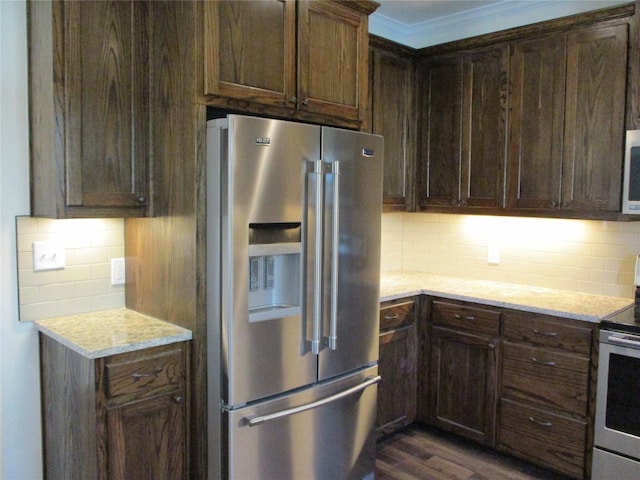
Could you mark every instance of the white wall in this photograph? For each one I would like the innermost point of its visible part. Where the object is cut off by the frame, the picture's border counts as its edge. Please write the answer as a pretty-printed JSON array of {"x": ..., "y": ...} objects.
[{"x": 20, "y": 445}]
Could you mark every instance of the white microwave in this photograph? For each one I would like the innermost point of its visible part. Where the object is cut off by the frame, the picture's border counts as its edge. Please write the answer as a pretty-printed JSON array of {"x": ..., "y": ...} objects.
[{"x": 631, "y": 185}]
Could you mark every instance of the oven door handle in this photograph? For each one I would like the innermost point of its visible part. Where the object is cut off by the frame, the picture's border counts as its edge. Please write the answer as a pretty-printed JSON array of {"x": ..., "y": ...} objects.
[{"x": 623, "y": 341}]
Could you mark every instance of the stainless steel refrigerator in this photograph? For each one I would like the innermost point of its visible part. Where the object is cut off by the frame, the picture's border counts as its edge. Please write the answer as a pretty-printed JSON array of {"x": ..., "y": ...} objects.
[{"x": 293, "y": 269}]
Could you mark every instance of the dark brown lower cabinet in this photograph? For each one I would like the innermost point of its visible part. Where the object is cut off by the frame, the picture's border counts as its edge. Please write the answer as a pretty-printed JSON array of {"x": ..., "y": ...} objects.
[
  {"x": 548, "y": 391},
  {"x": 463, "y": 384},
  {"x": 118, "y": 417},
  {"x": 397, "y": 366},
  {"x": 142, "y": 438},
  {"x": 543, "y": 437}
]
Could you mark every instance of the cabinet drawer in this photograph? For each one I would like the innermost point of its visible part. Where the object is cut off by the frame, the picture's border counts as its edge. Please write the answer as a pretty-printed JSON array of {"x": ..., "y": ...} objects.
[
  {"x": 461, "y": 316},
  {"x": 544, "y": 438},
  {"x": 548, "y": 331},
  {"x": 396, "y": 313},
  {"x": 545, "y": 377},
  {"x": 145, "y": 372}
]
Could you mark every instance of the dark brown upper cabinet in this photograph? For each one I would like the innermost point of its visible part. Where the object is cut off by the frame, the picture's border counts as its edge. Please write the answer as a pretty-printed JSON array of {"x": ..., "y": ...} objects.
[
  {"x": 306, "y": 59},
  {"x": 568, "y": 121},
  {"x": 594, "y": 121},
  {"x": 250, "y": 51},
  {"x": 89, "y": 108},
  {"x": 393, "y": 116},
  {"x": 530, "y": 121},
  {"x": 464, "y": 116},
  {"x": 537, "y": 122}
]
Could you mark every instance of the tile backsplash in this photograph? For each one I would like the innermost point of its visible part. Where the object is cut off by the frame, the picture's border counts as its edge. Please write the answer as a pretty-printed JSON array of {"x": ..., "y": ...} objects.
[
  {"x": 84, "y": 285},
  {"x": 587, "y": 256},
  {"x": 577, "y": 255}
]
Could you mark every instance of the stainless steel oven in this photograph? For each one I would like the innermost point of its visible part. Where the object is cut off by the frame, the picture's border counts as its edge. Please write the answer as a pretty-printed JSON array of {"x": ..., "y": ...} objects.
[{"x": 616, "y": 452}]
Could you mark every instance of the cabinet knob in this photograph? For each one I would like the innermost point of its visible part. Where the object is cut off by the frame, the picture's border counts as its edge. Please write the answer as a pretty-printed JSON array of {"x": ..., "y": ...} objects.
[
  {"x": 305, "y": 102},
  {"x": 142, "y": 199},
  {"x": 293, "y": 99},
  {"x": 177, "y": 399}
]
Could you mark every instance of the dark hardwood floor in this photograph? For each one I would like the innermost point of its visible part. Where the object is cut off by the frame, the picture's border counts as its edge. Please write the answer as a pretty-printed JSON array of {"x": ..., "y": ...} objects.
[{"x": 427, "y": 454}]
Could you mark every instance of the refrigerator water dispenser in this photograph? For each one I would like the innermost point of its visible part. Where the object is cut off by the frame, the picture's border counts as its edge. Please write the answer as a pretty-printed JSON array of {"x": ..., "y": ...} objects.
[{"x": 274, "y": 271}]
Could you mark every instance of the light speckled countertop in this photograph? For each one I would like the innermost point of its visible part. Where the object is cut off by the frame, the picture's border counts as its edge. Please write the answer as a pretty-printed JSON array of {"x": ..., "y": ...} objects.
[
  {"x": 99, "y": 334},
  {"x": 579, "y": 306}
]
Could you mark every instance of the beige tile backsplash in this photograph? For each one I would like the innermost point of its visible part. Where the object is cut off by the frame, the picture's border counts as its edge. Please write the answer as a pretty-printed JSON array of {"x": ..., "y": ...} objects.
[
  {"x": 84, "y": 285},
  {"x": 577, "y": 255}
]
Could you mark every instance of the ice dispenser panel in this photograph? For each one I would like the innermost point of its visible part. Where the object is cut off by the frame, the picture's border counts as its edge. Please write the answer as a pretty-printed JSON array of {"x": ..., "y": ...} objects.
[{"x": 274, "y": 271}]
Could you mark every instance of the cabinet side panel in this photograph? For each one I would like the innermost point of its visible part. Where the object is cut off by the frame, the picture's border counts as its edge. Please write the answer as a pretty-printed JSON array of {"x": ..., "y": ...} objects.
[
  {"x": 173, "y": 289},
  {"x": 46, "y": 120},
  {"x": 68, "y": 412}
]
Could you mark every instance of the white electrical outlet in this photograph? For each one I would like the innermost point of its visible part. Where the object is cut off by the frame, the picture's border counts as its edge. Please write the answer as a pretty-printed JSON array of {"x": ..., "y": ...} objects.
[
  {"x": 117, "y": 271},
  {"x": 493, "y": 254},
  {"x": 48, "y": 255}
]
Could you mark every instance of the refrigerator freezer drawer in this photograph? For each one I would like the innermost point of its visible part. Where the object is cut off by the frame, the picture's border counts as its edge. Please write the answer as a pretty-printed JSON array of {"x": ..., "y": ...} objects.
[{"x": 322, "y": 432}]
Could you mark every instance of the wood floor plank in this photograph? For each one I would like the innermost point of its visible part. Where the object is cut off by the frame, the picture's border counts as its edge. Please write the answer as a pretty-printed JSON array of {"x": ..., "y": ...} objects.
[{"x": 424, "y": 453}]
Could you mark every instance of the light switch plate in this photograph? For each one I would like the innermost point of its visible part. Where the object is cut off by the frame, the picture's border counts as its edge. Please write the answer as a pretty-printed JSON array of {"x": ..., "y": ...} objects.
[{"x": 48, "y": 255}]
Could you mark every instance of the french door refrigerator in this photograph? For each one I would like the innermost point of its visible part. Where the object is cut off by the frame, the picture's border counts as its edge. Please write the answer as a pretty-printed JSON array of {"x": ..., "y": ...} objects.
[{"x": 293, "y": 267}]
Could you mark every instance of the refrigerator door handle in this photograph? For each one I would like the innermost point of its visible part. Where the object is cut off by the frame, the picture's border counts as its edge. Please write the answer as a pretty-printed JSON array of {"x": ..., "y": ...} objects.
[
  {"x": 255, "y": 421},
  {"x": 335, "y": 253},
  {"x": 318, "y": 170}
]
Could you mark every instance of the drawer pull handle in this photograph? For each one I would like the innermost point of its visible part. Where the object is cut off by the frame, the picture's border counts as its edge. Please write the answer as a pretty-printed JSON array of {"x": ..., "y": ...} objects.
[
  {"x": 138, "y": 376},
  {"x": 540, "y": 422},
  {"x": 391, "y": 317},
  {"x": 548, "y": 363},
  {"x": 470, "y": 317},
  {"x": 545, "y": 334}
]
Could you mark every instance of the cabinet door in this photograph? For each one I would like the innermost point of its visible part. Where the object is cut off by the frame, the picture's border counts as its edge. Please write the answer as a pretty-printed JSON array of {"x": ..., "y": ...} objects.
[
  {"x": 594, "y": 120},
  {"x": 391, "y": 100},
  {"x": 106, "y": 59},
  {"x": 333, "y": 46},
  {"x": 249, "y": 51},
  {"x": 536, "y": 123},
  {"x": 439, "y": 164},
  {"x": 484, "y": 128},
  {"x": 397, "y": 367},
  {"x": 463, "y": 154},
  {"x": 89, "y": 108},
  {"x": 463, "y": 384},
  {"x": 147, "y": 439}
]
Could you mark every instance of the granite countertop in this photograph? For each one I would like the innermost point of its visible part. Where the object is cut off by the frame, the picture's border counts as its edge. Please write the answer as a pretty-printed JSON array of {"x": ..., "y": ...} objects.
[
  {"x": 579, "y": 306},
  {"x": 99, "y": 334}
]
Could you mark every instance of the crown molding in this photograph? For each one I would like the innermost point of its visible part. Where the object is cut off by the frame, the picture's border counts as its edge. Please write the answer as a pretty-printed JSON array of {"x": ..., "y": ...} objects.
[{"x": 480, "y": 20}]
